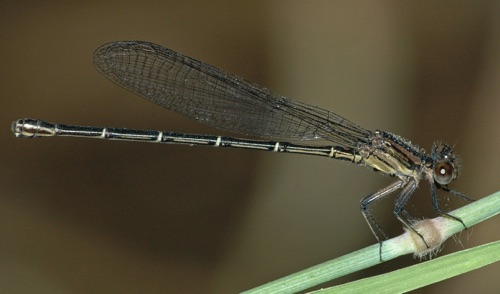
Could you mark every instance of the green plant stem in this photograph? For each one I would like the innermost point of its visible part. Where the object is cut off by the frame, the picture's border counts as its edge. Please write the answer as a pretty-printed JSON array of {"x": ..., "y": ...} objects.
[
  {"x": 423, "y": 274},
  {"x": 470, "y": 214}
]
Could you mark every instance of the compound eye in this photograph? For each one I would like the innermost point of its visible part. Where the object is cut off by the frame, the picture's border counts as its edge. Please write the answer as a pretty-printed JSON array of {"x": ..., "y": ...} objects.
[{"x": 443, "y": 173}]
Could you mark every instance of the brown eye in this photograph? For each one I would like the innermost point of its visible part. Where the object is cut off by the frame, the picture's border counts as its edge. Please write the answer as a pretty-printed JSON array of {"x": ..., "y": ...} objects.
[{"x": 443, "y": 173}]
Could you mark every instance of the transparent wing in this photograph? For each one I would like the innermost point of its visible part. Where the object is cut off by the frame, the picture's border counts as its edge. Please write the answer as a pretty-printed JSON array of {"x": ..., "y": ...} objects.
[{"x": 217, "y": 98}]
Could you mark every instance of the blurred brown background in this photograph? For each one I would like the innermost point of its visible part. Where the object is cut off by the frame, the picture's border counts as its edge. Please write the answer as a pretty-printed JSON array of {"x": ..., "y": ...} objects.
[{"x": 90, "y": 216}]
